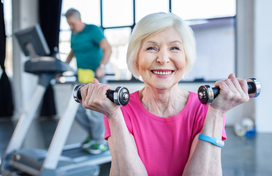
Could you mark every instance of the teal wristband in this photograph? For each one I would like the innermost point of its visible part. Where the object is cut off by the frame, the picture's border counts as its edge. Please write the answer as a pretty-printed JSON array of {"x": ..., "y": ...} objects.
[{"x": 212, "y": 140}]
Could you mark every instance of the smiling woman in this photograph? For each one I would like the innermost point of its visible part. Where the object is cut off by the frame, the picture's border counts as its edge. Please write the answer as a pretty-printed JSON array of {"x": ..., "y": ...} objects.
[
  {"x": 148, "y": 27},
  {"x": 157, "y": 132},
  {"x": 161, "y": 56}
]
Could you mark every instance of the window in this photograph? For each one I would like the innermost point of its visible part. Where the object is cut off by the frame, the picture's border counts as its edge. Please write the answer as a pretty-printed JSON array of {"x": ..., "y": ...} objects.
[
  {"x": 204, "y": 9},
  {"x": 118, "y": 39},
  {"x": 90, "y": 14},
  {"x": 90, "y": 11},
  {"x": 117, "y": 13},
  {"x": 145, "y": 7},
  {"x": 213, "y": 22}
]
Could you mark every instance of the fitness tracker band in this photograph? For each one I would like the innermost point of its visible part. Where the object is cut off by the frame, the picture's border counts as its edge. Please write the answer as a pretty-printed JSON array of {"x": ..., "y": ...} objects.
[
  {"x": 212, "y": 140},
  {"x": 102, "y": 66}
]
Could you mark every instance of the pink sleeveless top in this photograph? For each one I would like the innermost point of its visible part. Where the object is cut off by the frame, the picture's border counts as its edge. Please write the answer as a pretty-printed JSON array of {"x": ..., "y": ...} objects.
[{"x": 164, "y": 143}]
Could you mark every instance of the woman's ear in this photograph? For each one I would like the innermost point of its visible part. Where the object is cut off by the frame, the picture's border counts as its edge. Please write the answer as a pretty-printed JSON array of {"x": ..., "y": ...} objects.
[{"x": 137, "y": 64}]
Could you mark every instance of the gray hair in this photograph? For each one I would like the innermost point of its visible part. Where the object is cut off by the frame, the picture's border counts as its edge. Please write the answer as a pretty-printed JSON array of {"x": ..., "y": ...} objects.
[
  {"x": 153, "y": 24},
  {"x": 72, "y": 13}
]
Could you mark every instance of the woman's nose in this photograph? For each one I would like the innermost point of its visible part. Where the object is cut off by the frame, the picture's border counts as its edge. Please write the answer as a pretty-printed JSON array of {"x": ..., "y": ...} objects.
[{"x": 163, "y": 57}]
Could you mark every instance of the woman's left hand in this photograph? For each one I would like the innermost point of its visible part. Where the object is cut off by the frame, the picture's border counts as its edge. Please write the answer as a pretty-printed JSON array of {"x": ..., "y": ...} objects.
[{"x": 233, "y": 92}]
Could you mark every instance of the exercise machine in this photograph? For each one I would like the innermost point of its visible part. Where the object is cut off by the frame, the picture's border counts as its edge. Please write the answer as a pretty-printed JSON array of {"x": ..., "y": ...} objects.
[{"x": 58, "y": 160}]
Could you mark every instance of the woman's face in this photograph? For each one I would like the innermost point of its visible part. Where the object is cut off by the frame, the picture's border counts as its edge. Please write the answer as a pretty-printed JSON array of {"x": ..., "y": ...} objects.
[{"x": 161, "y": 59}]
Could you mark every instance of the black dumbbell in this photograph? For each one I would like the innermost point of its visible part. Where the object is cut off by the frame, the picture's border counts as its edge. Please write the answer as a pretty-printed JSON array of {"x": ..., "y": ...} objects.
[
  {"x": 120, "y": 96},
  {"x": 206, "y": 94}
]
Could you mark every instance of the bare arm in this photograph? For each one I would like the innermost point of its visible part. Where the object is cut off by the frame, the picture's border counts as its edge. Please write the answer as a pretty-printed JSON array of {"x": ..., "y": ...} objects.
[
  {"x": 125, "y": 158},
  {"x": 106, "y": 51},
  {"x": 205, "y": 158},
  {"x": 70, "y": 56},
  {"x": 105, "y": 58}
]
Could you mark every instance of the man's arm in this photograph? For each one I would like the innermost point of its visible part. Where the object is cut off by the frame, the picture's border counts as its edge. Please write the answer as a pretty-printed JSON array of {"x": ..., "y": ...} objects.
[
  {"x": 105, "y": 58},
  {"x": 70, "y": 56}
]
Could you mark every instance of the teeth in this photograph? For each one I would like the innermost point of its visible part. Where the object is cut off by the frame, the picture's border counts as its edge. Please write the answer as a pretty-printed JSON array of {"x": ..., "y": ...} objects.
[{"x": 162, "y": 72}]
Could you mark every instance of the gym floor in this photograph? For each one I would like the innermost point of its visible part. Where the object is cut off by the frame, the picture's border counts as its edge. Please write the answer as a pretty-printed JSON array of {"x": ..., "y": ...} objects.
[{"x": 241, "y": 156}]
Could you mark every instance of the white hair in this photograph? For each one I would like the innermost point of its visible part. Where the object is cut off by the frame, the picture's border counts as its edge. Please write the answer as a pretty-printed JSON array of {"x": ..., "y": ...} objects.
[{"x": 153, "y": 24}]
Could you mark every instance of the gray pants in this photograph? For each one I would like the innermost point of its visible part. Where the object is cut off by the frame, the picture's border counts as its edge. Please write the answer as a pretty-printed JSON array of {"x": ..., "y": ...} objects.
[{"x": 91, "y": 121}]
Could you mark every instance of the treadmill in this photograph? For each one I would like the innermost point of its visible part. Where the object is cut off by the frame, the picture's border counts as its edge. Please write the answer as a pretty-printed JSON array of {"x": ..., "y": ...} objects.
[{"x": 58, "y": 160}]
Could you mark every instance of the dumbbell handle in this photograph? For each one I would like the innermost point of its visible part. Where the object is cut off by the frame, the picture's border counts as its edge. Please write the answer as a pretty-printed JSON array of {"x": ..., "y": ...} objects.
[
  {"x": 206, "y": 94},
  {"x": 109, "y": 94},
  {"x": 120, "y": 96}
]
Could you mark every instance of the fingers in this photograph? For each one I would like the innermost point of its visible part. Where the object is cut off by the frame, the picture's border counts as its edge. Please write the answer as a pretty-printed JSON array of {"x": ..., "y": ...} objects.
[
  {"x": 83, "y": 92},
  {"x": 91, "y": 93},
  {"x": 86, "y": 88},
  {"x": 233, "y": 92},
  {"x": 232, "y": 75},
  {"x": 224, "y": 89},
  {"x": 234, "y": 85},
  {"x": 95, "y": 81},
  {"x": 244, "y": 86},
  {"x": 94, "y": 94},
  {"x": 239, "y": 84},
  {"x": 101, "y": 91},
  {"x": 233, "y": 88}
]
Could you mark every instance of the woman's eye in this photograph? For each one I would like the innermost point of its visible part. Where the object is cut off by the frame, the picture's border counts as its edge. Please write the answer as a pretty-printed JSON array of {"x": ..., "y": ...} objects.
[
  {"x": 150, "y": 48},
  {"x": 174, "y": 48}
]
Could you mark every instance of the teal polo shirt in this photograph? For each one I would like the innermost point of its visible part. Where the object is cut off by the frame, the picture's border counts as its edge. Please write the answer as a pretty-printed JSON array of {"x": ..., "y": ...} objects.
[{"x": 85, "y": 46}]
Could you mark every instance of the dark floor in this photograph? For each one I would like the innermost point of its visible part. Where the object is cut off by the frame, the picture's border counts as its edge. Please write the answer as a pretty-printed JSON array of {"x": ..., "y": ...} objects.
[{"x": 241, "y": 156}]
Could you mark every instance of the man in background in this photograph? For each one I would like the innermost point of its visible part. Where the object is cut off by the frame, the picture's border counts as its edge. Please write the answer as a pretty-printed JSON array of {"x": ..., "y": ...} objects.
[{"x": 92, "y": 52}]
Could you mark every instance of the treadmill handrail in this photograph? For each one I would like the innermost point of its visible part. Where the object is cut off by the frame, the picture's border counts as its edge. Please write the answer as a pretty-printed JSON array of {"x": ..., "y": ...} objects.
[
  {"x": 25, "y": 120},
  {"x": 60, "y": 135}
]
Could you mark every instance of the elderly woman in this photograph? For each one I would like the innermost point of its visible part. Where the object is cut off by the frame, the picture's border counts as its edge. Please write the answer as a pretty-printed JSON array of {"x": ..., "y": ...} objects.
[{"x": 164, "y": 130}]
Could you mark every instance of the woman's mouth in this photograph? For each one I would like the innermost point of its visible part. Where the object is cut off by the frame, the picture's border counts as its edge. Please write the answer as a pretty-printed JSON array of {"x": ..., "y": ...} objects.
[{"x": 162, "y": 72}]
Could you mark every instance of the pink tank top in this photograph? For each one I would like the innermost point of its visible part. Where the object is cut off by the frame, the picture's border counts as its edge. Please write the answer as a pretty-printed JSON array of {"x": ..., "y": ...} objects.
[{"x": 164, "y": 143}]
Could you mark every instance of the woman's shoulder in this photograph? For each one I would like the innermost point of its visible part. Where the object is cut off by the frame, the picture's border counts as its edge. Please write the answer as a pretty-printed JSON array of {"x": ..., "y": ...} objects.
[
  {"x": 193, "y": 98},
  {"x": 131, "y": 108},
  {"x": 195, "y": 104},
  {"x": 134, "y": 105},
  {"x": 133, "y": 100}
]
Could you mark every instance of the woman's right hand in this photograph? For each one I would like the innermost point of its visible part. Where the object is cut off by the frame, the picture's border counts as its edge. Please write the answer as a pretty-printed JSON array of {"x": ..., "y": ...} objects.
[
  {"x": 233, "y": 92},
  {"x": 94, "y": 98}
]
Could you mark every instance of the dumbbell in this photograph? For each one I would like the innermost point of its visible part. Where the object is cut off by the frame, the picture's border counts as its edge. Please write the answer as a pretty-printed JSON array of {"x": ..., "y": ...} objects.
[
  {"x": 120, "y": 96},
  {"x": 206, "y": 94}
]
